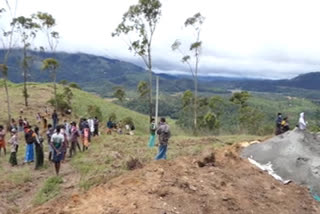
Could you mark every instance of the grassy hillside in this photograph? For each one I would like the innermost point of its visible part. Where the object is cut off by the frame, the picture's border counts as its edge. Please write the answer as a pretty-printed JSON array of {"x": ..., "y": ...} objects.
[{"x": 41, "y": 93}]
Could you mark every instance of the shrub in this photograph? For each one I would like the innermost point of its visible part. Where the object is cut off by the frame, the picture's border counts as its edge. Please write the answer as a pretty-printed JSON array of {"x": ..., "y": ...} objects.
[{"x": 95, "y": 111}]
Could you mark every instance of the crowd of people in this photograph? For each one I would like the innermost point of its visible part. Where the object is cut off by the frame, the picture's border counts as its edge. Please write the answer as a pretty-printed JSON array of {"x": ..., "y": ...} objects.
[
  {"x": 60, "y": 138},
  {"x": 64, "y": 139}
]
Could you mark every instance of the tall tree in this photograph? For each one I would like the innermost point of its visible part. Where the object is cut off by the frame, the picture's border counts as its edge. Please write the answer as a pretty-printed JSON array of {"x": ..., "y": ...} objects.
[
  {"x": 27, "y": 29},
  {"x": 47, "y": 24},
  {"x": 52, "y": 65},
  {"x": 140, "y": 21},
  {"x": 193, "y": 59},
  {"x": 119, "y": 93},
  {"x": 7, "y": 42}
]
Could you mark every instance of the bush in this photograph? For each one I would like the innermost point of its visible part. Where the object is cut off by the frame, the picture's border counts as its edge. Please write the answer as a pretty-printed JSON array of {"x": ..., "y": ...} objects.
[
  {"x": 74, "y": 85},
  {"x": 62, "y": 104},
  {"x": 95, "y": 111},
  {"x": 112, "y": 117},
  {"x": 128, "y": 120}
]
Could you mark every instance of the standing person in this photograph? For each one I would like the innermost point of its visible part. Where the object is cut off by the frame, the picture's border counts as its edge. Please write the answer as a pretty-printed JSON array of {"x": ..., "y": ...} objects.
[
  {"x": 302, "y": 123},
  {"x": 38, "y": 117},
  {"x": 67, "y": 128},
  {"x": 39, "y": 149},
  {"x": 96, "y": 126},
  {"x": 30, "y": 140},
  {"x": 57, "y": 140},
  {"x": 20, "y": 122},
  {"x": 14, "y": 147},
  {"x": 65, "y": 143},
  {"x": 153, "y": 129},
  {"x": 86, "y": 135},
  {"x": 74, "y": 139},
  {"x": 13, "y": 124},
  {"x": 55, "y": 119},
  {"x": 164, "y": 135},
  {"x": 2, "y": 140},
  {"x": 49, "y": 133},
  {"x": 45, "y": 122},
  {"x": 25, "y": 123},
  {"x": 278, "y": 124},
  {"x": 91, "y": 126},
  {"x": 109, "y": 127}
]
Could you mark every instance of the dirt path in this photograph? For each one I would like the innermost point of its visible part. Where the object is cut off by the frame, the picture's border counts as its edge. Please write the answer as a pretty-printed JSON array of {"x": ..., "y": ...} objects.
[
  {"x": 224, "y": 184},
  {"x": 19, "y": 185}
]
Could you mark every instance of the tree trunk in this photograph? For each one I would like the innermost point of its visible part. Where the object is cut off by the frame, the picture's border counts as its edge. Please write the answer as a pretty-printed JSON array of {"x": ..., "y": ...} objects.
[
  {"x": 150, "y": 82},
  {"x": 7, "y": 97},
  {"x": 195, "y": 105},
  {"x": 25, "y": 76},
  {"x": 55, "y": 88}
]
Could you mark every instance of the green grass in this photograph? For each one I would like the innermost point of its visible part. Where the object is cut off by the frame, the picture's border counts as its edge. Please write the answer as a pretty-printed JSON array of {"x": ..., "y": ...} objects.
[
  {"x": 20, "y": 176},
  {"x": 50, "y": 189}
]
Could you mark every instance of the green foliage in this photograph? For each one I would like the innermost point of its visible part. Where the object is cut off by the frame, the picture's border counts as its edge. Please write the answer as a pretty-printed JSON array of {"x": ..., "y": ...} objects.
[
  {"x": 210, "y": 121},
  {"x": 64, "y": 82},
  {"x": 187, "y": 98},
  {"x": 240, "y": 98},
  {"x": 119, "y": 93},
  {"x": 67, "y": 94},
  {"x": 50, "y": 189},
  {"x": 128, "y": 120},
  {"x": 50, "y": 64},
  {"x": 95, "y": 111},
  {"x": 60, "y": 102},
  {"x": 143, "y": 89},
  {"x": 112, "y": 117},
  {"x": 74, "y": 85}
]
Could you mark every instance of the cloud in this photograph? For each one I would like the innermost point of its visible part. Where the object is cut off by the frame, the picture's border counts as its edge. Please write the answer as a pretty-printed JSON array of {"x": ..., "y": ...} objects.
[{"x": 247, "y": 38}]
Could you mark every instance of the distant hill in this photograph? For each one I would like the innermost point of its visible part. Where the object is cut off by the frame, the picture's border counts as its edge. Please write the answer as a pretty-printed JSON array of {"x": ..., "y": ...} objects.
[{"x": 100, "y": 74}]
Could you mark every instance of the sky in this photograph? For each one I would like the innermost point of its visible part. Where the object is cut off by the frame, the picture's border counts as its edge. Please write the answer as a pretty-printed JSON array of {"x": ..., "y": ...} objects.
[{"x": 270, "y": 39}]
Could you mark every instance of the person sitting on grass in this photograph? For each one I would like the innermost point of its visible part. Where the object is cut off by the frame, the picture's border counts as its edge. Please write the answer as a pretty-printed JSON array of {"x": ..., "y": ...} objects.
[
  {"x": 14, "y": 147},
  {"x": 164, "y": 134},
  {"x": 2, "y": 140},
  {"x": 57, "y": 141},
  {"x": 285, "y": 125}
]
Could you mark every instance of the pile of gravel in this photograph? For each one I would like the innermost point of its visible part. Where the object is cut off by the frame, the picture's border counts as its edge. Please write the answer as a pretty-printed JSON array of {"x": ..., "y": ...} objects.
[{"x": 294, "y": 155}]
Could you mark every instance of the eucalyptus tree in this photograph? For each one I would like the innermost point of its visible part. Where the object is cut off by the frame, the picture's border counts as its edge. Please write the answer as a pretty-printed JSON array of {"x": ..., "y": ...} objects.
[
  {"x": 47, "y": 23},
  {"x": 52, "y": 65},
  {"x": 27, "y": 29},
  {"x": 7, "y": 44},
  {"x": 140, "y": 21},
  {"x": 119, "y": 93},
  {"x": 192, "y": 58}
]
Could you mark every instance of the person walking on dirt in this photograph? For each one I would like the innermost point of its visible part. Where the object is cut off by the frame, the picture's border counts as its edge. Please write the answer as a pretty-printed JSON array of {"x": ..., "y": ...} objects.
[
  {"x": 278, "y": 124},
  {"x": 75, "y": 134},
  {"x": 14, "y": 147},
  {"x": 153, "y": 129},
  {"x": 39, "y": 149},
  {"x": 49, "y": 133},
  {"x": 57, "y": 141},
  {"x": 164, "y": 134},
  {"x": 302, "y": 123},
  {"x": 55, "y": 119},
  {"x": 2, "y": 140}
]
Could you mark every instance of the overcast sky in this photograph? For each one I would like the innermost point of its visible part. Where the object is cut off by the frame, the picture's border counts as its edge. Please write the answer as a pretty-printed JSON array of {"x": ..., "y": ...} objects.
[{"x": 248, "y": 38}]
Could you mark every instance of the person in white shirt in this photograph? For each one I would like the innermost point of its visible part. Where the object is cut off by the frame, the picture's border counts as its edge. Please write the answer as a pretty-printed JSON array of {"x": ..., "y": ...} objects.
[
  {"x": 57, "y": 141},
  {"x": 302, "y": 123}
]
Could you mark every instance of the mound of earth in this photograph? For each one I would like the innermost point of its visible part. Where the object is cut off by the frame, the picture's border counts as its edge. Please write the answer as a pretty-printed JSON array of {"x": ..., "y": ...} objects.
[
  {"x": 213, "y": 183},
  {"x": 294, "y": 155}
]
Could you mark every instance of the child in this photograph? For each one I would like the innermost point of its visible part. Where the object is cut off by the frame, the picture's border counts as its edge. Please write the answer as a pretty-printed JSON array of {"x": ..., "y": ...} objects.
[
  {"x": 2, "y": 140},
  {"x": 14, "y": 147}
]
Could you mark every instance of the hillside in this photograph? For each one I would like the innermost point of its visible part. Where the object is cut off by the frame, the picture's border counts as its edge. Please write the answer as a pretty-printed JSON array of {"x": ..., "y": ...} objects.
[
  {"x": 100, "y": 74},
  {"x": 41, "y": 93}
]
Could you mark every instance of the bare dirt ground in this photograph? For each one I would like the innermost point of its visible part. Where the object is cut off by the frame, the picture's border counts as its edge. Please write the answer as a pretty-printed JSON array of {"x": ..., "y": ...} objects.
[{"x": 224, "y": 183}]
